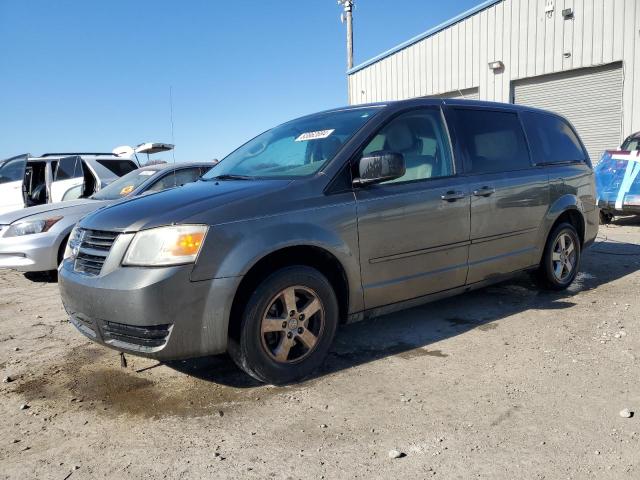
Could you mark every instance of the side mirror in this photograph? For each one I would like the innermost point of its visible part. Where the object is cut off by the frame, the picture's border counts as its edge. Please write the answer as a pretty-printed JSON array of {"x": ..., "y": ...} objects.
[{"x": 380, "y": 166}]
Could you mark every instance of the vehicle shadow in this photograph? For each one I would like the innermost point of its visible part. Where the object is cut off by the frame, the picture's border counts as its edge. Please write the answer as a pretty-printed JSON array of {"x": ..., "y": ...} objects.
[
  {"x": 409, "y": 333},
  {"x": 42, "y": 277},
  {"x": 629, "y": 221}
]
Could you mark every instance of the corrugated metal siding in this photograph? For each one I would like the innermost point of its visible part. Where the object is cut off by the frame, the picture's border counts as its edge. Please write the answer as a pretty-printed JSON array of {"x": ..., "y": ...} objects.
[
  {"x": 590, "y": 98},
  {"x": 467, "y": 94},
  {"x": 528, "y": 41}
]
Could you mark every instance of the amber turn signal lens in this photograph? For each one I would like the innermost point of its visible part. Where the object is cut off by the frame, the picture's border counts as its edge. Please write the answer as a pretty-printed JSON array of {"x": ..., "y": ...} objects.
[{"x": 188, "y": 244}]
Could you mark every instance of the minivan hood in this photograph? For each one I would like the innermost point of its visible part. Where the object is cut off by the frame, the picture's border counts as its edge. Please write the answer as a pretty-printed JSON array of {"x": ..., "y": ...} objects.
[
  {"x": 203, "y": 202},
  {"x": 55, "y": 209}
]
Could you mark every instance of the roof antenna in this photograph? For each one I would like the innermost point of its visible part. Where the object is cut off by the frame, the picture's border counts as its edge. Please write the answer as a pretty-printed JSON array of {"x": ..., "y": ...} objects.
[{"x": 173, "y": 154}]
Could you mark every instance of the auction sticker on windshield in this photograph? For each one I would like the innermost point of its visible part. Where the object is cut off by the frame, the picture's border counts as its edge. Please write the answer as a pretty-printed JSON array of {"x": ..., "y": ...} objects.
[{"x": 320, "y": 134}]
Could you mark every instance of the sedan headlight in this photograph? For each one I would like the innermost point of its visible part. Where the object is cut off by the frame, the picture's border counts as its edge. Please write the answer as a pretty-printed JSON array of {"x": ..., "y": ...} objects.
[
  {"x": 29, "y": 227},
  {"x": 165, "y": 246}
]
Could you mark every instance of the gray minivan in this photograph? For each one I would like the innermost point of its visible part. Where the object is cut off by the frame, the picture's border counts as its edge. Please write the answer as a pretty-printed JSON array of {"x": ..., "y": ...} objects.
[{"x": 331, "y": 218}]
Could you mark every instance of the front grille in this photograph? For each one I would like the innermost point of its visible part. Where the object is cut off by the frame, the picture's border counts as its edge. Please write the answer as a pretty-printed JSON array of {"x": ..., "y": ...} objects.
[
  {"x": 93, "y": 251},
  {"x": 148, "y": 337}
]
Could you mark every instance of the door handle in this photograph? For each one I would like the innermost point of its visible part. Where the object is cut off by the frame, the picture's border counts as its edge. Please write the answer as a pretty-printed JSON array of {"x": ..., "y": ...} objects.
[
  {"x": 452, "y": 196},
  {"x": 484, "y": 191}
]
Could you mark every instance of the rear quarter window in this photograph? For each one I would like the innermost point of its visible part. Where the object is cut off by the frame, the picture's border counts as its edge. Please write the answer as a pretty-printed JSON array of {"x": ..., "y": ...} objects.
[
  {"x": 552, "y": 139},
  {"x": 493, "y": 141},
  {"x": 118, "y": 167}
]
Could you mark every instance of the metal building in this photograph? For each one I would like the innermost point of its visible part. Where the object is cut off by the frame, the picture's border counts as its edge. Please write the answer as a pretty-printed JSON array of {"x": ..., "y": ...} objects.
[{"x": 580, "y": 58}]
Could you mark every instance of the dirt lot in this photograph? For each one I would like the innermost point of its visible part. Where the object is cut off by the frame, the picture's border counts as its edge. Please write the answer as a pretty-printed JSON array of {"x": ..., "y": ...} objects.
[{"x": 503, "y": 383}]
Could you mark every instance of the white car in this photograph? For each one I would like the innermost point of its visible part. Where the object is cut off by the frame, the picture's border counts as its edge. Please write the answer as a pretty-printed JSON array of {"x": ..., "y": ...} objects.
[
  {"x": 26, "y": 181},
  {"x": 33, "y": 239}
]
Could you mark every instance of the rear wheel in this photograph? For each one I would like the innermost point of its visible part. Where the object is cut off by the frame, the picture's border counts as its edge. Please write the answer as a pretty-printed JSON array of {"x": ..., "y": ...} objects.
[
  {"x": 561, "y": 258},
  {"x": 605, "y": 217},
  {"x": 287, "y": 326}
]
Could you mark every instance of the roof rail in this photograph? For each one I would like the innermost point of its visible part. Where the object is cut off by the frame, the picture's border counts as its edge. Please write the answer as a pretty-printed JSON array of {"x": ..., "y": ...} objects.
[{"x": 68, "y": 154}]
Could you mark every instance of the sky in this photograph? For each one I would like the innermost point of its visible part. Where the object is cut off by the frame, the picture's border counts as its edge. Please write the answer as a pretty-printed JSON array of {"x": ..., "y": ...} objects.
[{"x": 89, "y": 75}]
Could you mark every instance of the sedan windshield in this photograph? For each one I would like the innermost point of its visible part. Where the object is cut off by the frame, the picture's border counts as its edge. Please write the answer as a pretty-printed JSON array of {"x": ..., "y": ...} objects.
[
  {"x": 294, "y": 149},
  {"x": 124, "y": 186}
]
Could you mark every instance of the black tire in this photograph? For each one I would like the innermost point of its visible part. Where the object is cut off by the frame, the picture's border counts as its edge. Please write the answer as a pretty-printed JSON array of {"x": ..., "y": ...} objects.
[
  {"x": 250, "y": 347},
  {"x": 53, "y": 274},
  {"x": 548, "y": 270},
  {"x": 606, "y": 218}
]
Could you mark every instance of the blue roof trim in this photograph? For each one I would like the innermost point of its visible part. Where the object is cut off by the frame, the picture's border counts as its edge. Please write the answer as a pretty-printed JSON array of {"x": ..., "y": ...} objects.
[{"x": 428, "y": 33}]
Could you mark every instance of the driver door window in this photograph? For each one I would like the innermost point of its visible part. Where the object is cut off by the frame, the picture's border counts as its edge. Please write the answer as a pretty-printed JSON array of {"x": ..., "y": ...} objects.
[
  {"x": 420, "y": 137},
  {"x": 13, "y": 170}
]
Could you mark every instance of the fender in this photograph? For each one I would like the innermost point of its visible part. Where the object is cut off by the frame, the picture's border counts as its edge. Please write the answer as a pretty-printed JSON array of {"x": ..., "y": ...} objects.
[
  {"x": 231, "y": 252},
  {"x": 562, "y": 204}
]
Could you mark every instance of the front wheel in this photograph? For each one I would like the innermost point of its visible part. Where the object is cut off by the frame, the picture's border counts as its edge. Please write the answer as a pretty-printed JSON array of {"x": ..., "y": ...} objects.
[
  {"x": 561, "y": 258},
  {"x": 287, "y": 326}
]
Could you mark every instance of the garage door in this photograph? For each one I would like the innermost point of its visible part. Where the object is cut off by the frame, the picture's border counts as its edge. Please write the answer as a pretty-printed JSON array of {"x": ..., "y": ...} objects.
[
  {"x": 467, "y": 94},
  {"x": 591, "y": 98}
]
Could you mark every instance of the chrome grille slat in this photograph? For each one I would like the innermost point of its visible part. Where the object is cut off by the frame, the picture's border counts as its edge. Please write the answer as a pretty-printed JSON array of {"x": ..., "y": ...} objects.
[
  {"x": 99, "y": 244},
  {"x": 84, "y": 248},
  {"x": 93, "y": 251},
  {"x": 100, "y": 235}
]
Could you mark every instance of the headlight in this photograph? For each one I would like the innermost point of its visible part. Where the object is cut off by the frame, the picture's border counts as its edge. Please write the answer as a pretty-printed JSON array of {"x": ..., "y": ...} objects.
[
  {"x": 164, "y": 246},
  {"x": 30, "y": 227},
  {"x": 73, "y": 244}
]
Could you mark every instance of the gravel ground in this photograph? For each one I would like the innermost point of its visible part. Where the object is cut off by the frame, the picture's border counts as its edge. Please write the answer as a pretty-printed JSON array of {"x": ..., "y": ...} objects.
[{"x": 506, "y": 382}]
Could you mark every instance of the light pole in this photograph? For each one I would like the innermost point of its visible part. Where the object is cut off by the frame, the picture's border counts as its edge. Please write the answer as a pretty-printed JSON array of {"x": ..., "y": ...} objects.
[{"x": 347, "y": 15}]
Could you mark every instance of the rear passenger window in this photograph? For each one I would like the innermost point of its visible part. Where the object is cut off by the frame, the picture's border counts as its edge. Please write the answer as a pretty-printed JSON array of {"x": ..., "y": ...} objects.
[
  {"x": 493, "y": 141},
  {"x": 552, "y": 140}
]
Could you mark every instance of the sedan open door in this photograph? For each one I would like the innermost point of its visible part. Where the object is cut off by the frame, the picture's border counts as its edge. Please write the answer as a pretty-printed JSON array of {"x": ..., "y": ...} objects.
[{"x": 11, "y": 179}]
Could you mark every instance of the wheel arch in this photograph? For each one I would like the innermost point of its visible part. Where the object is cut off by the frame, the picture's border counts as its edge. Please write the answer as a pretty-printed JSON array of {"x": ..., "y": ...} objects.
[{"x": 306, "y": 255}]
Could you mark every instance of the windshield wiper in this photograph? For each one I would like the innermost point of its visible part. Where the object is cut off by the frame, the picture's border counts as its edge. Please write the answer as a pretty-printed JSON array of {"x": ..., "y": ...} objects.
[{"x": 230, "y": 176}]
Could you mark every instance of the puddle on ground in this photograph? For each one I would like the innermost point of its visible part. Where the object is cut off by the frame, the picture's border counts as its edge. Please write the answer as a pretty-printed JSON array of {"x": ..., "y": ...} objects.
[
  {"x": 89, "y": 379},
  {"x": 85, "y": 382}
]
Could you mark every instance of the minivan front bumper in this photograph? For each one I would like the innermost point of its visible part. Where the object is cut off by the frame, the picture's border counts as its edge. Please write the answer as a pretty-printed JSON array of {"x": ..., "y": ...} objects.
[{"x": 153, "y": 312}]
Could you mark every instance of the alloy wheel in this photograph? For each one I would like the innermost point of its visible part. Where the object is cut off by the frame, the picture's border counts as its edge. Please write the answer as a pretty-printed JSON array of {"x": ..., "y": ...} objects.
[
  {"x": 292, "y": 324},
  {"x": 563, "y": 257}
]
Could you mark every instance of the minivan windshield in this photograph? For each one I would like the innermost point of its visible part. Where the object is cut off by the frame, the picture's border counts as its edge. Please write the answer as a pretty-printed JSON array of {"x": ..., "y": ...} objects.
[
  {"x": 123, "y": 186},
  {"x": 294, "y": 149}
]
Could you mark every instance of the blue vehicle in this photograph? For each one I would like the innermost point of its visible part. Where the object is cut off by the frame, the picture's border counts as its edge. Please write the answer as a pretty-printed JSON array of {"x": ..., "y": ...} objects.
[{"x": 618, "y": 182}]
